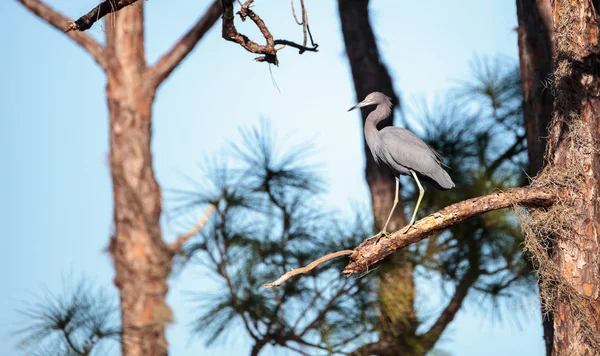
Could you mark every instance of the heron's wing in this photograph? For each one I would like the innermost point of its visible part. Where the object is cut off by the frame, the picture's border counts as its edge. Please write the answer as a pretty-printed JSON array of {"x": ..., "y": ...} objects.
[{"x": 408, "y": 150}]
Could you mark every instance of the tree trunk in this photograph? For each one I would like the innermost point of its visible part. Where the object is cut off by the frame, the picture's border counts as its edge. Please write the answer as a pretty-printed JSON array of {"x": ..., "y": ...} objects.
[
  {"x": 574, "y": 161},
  {"x": 142, "y": 260},
  {"x": 535, "y": 60},
  {"x": 536, "y": 65},
  {"x": 396, "y": 292}
]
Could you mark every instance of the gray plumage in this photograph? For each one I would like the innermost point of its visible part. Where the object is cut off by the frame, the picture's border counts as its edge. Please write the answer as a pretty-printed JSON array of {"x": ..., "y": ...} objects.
[{"x": 402, "y": 151}]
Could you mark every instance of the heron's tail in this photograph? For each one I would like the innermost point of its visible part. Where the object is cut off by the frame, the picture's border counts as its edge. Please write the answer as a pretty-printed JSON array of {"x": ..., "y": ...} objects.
[{"x": 442, "y": 179}]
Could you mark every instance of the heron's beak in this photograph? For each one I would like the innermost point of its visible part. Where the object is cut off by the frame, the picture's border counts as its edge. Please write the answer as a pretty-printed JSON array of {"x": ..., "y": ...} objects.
[{"x": 359, "y": 105}]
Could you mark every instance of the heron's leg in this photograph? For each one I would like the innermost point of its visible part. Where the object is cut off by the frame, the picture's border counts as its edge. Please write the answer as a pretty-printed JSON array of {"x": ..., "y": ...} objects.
[
  {"x": 421, "y": 193},
  {"x": 384, "y": 232},
  {"x": 393, "y": 206}
]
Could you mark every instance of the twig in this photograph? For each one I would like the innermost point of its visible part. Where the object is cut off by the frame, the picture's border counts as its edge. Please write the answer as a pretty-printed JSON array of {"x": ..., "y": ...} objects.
[
  {"x": 176, "y": 245},
  {"x": 308, "y": 268},
  {"x": 86, "y": 21},
  {"x": 298, "y": 46}
]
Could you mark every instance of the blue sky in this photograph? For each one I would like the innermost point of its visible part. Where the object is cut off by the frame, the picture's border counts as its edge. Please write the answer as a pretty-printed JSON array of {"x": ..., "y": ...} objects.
[{"x": 55, "y": 214}]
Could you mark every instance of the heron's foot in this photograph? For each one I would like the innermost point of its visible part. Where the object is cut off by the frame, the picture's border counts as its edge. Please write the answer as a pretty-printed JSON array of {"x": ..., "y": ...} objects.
[
  {"x": 405, "y": 229},
  {"x": 378, "y": 236}
]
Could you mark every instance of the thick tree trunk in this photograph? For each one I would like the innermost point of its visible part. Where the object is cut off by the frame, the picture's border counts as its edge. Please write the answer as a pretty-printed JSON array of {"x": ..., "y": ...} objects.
[
  {"x": 369, "y": 74},
  {"x": 574, "y": 158},
  {"x": 142, "y": 260},
  {"x": 536, "y": 64}
]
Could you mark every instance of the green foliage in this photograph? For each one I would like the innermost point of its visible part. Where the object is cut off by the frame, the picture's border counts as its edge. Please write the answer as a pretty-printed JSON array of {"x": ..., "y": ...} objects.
[
  {"x": 270, "y": 219},
  {"x": 82, "y": 321}
]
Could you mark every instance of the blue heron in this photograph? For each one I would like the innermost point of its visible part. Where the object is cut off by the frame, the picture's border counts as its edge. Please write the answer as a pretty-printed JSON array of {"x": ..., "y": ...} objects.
[{"x": 402, "y": 151}]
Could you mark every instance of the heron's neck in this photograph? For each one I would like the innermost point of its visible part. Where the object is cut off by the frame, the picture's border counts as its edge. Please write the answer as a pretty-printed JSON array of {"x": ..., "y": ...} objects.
[{"x": 381, "y": 112}]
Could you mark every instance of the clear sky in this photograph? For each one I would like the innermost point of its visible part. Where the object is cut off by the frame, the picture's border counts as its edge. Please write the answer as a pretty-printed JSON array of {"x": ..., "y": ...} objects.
[{"x": 55, "y": 215}]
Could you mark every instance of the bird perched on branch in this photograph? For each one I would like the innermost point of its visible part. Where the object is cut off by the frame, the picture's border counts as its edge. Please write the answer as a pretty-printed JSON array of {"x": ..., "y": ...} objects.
[{"x": 402, "y": 151}]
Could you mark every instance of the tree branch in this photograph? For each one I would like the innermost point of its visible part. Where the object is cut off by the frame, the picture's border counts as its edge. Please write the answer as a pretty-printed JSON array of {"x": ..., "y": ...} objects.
[
  {"x": 230, "y": 33},
  {"x": 371, "y": 251},
  {"x": 177, "y": 245},
  {"x": 59, "y": 21},
  {"x": 299, "y": 47},
  {"x": 86, "y": 21},
  {"x": 308, "y": 268},
  {"x": 170, "y": 60},
  {"x": 267, "y": 51}
]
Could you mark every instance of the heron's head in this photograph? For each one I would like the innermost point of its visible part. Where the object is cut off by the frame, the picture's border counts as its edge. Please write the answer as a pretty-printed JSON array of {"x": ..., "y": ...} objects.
[{"x": 375, "y": 98}]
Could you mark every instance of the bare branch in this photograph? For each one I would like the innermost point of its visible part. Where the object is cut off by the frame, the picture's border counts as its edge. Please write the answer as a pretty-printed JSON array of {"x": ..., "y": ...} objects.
[
  {"x": 308, "y": 268},
  {"x": 371, "y": 251},
  {"x": 230, "y": 33},
  {"x": 170, "y": 60},
  {"x": 176, "y": 245},
  {"x": 297, "y": 46},
  {"x": 267, "y": 51},
  {"x": 59, "y": 21},
  {"x": 86, "y": 21}
]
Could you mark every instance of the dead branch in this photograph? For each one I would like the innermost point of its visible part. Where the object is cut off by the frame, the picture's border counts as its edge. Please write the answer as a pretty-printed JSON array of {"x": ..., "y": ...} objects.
[
  {"x": 170, "y": 60},
  {"x": 86, "y": 21},
  {"x": 370, "y": 251},
  {"x": 59, "y": 21},
  {"x": 267, "y": 51},
  {"x": 308, "y": 268},
  {"x": 301, "y": 48},
  {"x": 177, "y": 245}
]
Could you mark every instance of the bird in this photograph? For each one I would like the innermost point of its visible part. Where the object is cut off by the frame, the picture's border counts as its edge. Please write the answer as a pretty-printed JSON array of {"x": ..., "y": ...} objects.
[{"x": 403, "y": 152}]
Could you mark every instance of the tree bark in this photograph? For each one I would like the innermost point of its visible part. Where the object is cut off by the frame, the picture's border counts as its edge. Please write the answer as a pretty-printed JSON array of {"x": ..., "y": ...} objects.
[
  {"x": 573, "y": 151},
  {"x": 536, "y": 53},
  {"x": 369, "y": 74},
  {"x": 142, "y": 260}
]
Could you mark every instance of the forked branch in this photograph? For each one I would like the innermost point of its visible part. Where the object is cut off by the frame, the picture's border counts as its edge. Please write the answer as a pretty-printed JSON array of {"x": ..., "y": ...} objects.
[
  {"x": 371, "y": 251},
  {"x": 59, "y": 21}
]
